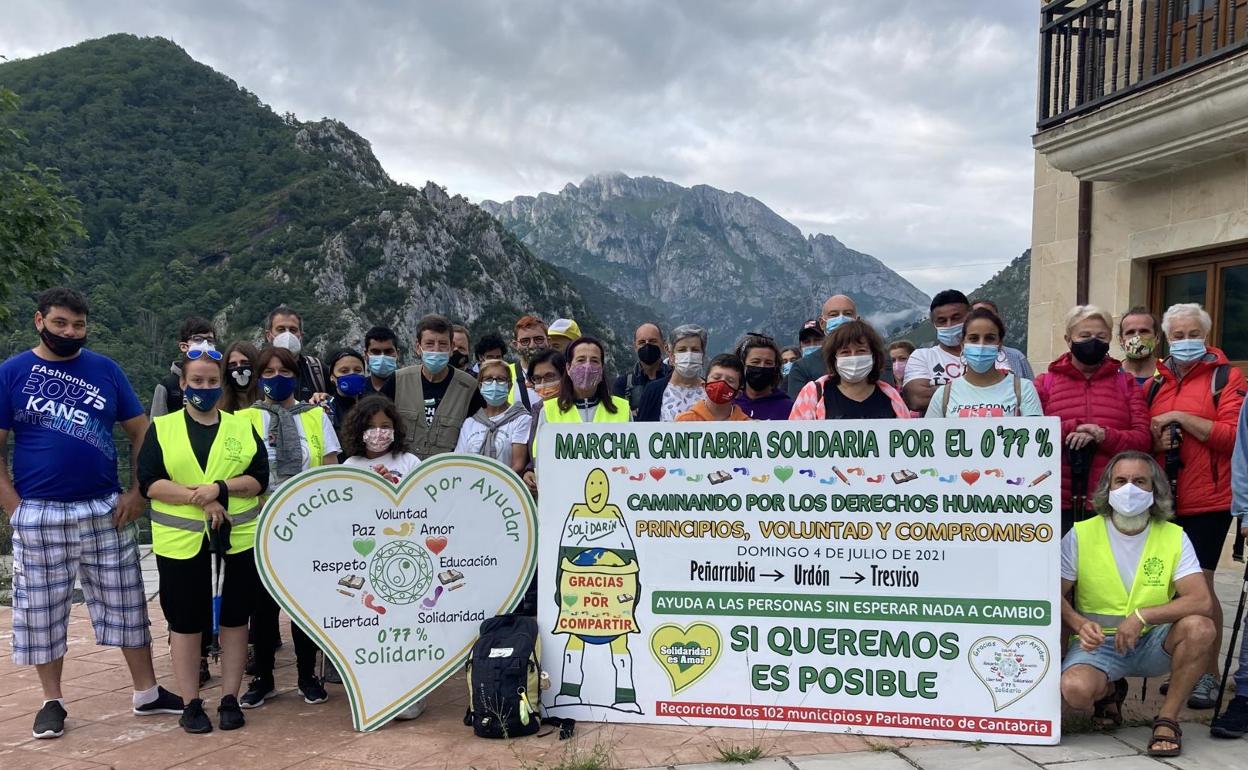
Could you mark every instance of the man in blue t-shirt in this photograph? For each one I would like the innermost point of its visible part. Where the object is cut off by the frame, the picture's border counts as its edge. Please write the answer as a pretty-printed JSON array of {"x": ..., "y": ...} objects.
[{"x": 69, "y": 516}]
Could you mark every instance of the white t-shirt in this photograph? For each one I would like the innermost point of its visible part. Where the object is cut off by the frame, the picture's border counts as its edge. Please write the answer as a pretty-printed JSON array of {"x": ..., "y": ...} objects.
[
  {"x": 967, "y": 400},
  {"x": 938, "y": 366},
  {"x": 393, "y": 467},
  {"x": 678, "y": 399},
  {"x": 327, "y": 430},
  {"x": 472, "y": 434},
  {"x": 1127, "y": 550}
]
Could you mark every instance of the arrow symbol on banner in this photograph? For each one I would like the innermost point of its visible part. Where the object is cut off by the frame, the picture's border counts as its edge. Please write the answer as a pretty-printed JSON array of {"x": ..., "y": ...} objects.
[
  {"x": 775, "y": 576},
  {"x": 857, "y": 577}
]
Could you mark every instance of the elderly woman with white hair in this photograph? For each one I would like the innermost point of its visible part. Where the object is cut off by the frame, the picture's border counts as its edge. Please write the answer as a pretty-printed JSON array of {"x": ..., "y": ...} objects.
[
  {"x": 1100, "y": 407},
  {"x": 1194, "y": 402}
]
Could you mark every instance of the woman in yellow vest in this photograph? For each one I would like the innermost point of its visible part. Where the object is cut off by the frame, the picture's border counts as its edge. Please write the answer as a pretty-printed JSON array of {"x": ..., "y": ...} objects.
[
  {"x": 204, "y": 468},
  {"x": 584, "y": 395},
  {"x": 297, "y": 436}
]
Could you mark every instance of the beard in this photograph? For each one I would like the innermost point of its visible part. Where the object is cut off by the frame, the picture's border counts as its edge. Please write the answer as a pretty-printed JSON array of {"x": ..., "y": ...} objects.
[{"x": 1131, "y": 525}]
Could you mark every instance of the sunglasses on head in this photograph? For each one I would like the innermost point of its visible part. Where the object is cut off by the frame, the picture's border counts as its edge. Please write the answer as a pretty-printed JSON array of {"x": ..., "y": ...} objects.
[{"x": 197, "y": 353}]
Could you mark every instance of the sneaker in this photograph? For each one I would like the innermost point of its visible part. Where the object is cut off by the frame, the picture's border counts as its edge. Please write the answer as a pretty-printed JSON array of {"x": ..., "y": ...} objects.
[
  {"x": 204, "y": 673},
  {"x": 1232, "y": 723},
  {"x": 412, "y": 711},
  {"x": 194, "y": 720},
  {"x": 229, "y": 715},
  {"x": 1205, "y": 693},
  {"x": 50, "y": 721},
  {"x": 165, "y": 702},
  {"x": 260, "y": 690},
  {"x": 312, "y": 690}
]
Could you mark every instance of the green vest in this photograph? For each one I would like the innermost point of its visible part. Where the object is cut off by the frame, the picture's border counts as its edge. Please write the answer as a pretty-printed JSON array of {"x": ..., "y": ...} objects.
[
  {"x": 178, "y": 530},
  {"x": 1100, "y": 595},
  {"x": 313, "y": 429},
  {"x": 573, "y": 415},
  {"x": 425, "y": 439}
]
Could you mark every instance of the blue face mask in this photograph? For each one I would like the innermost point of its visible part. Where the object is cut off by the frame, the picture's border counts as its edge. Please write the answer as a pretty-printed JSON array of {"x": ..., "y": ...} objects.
[
  {"x": 382, "y": 366},
  {"x": 810, "y": 350},
  {"x": 835, "y": 322},
  {"x": 434, "y": 361},
  {"x": 352, "y": 384},
  {"x": 1187, "y": 351},
  {"x": 949, "y": 336},
  {"x": 278, "y": 388},
  {"x": 203, "y": 399},
  {"x": 786, "y": 368},
  {"x": 981, "y": 358},
  {"x": 495, "y": 393}
]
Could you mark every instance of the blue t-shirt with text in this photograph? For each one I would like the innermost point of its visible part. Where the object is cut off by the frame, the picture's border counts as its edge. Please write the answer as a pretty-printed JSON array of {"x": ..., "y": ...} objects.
[{"x": 62, "y": 415}]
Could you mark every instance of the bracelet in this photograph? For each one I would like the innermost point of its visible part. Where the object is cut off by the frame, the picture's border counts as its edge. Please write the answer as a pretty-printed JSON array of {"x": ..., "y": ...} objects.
[{"x": 1141, "y": 617}]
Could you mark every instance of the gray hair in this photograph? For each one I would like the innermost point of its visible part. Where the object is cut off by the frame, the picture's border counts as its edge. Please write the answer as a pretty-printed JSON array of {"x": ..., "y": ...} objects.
[
  {"x": 685, "y": 331},
  {"x": 1081, "y": 313},
  {"x": 1163, "y": 501},
  {"x": 1189, "y": 309}
]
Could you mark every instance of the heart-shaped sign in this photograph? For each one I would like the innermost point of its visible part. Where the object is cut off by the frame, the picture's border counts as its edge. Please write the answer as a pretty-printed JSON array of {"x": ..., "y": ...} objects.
[
  {"x": 783, "y": 472},
  {"x": 1010, "y": 669},
  {"x": 658, "y": 473},
  {"x": 686, "y": 654},
  {"x": 399, "y": 617},
  {"x": 970, "y": 477}
]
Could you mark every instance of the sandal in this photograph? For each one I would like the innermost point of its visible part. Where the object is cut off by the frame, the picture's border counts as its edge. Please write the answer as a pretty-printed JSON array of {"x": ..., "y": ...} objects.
[
  {"x": 1102, "y": 716},
  {"x": 1176, "y": 738}
]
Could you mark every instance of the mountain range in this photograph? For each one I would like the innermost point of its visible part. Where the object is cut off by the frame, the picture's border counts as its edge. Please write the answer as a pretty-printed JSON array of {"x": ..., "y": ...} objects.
[{"x": 699, "y": 254}]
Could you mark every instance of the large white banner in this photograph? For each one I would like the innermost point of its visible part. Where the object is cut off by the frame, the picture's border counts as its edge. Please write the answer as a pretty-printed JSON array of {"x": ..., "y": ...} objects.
[{"x": 884, "y": 577}]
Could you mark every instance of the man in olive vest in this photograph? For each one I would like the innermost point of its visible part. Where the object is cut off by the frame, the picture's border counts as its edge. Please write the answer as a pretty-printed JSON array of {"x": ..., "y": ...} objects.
[
  {"x": 434, "y": 398},
  {"x": 1141, "y": 606}
]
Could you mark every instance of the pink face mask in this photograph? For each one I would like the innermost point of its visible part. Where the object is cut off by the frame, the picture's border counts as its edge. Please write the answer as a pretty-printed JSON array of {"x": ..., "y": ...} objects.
[
  {"x": 378, "y": 439},
  {"x": 585, "y": 376},
  {"x": 899, "y": 371}
]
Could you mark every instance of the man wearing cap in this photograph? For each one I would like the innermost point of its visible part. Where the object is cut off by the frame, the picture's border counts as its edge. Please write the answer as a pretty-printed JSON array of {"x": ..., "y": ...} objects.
[
  {"x": 838, "y": 309},
  {"x": 562, "y": 332}
]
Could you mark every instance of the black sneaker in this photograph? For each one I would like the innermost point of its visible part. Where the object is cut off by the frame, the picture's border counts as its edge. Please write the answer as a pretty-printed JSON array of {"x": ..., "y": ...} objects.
[
  {"x": 50, "y": 721},
  {"x": 229, "y": 715},
  {"x": 194, "y": 720},
  {"x": 312, "y": 690},
  {"x": 260, "y": 690},
  {"x": 204, "y": 673},
  {"x": 165, "y": 703},
  {"x": 1232, "y": 723}
]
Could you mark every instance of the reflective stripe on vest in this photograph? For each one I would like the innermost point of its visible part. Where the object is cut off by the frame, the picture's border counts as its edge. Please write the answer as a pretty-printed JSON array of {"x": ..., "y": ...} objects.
[
  {"x": 313, "y": 432},
  {"x": 573, "y": 415},
  {"x": 1100, "y": 595},
  {"x": 178, "y": 530}
]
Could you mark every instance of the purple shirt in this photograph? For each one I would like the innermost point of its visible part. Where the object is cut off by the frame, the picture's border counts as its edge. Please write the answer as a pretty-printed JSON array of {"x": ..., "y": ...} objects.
[{"x": 773, "y": 406}]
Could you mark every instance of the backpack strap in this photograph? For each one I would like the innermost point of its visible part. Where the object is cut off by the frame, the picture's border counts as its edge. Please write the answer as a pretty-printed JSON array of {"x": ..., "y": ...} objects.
[
  {"x": 524, "y": 397},
  {"x": 1221, "y": 375},
  {"x": 1154, "y": 387},
  {"x": 1018, "y": 396},
  {"x": 944, "y": 399},
  {"x": 567, "y": 727}
]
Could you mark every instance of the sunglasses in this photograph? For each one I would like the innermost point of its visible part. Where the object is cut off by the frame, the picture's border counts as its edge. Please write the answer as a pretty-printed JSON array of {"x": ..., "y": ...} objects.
[{"x": 197, "y": 353}]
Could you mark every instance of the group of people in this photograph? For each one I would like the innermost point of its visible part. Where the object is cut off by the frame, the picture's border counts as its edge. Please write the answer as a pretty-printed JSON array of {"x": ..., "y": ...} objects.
[{"x": 1152, "y": 468}]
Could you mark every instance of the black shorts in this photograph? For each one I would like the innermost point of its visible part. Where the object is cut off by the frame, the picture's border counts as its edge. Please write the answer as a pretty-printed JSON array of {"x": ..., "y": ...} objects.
[
  {"x": 186, "y": 590},
  {"x": 1207, "y": 531}
]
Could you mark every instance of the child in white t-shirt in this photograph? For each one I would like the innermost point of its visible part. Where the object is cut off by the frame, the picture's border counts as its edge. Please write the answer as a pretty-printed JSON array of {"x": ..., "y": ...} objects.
[{"x": 373, "y": 438}]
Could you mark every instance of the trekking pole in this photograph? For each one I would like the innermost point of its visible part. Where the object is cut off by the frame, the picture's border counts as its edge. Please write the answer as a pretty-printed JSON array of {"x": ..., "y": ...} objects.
[
  {"x": 218, "y": 544},
  {"x": 1080, "y": 468},
  {"x": 1226, "y": 666},
  {"x": 1174, "y": 463}
]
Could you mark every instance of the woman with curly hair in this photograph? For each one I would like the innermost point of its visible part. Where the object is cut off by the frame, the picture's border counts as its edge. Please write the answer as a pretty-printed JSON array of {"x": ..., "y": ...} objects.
[{"x": 373, "y": 438}]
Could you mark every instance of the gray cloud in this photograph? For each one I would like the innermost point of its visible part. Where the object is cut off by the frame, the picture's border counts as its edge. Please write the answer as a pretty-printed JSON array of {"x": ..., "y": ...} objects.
[{"x": 901, "y": 128}]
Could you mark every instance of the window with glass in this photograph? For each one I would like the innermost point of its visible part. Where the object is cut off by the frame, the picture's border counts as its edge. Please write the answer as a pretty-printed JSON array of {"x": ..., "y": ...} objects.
[{"x": 1219, "y": 283}]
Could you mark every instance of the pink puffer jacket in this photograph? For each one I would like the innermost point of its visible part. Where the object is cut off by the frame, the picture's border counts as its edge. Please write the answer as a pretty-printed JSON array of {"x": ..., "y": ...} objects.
[{"x": 1109, "y": 399}]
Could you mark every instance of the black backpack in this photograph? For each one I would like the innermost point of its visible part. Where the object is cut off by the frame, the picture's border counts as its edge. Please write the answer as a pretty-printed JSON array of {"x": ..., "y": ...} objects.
[{"x": 504, "y": 679}]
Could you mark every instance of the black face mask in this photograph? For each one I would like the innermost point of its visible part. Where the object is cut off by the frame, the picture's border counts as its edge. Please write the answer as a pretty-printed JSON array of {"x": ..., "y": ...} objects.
[
  {"x": 240, "y": 376},
  {"x": 459, "y": 360},
  {"x": 760, "y": 377},
  {"x": 65, "y": 347},
  {"x": 649, "y": 354},
  {"x": 1089, "y": 352}
]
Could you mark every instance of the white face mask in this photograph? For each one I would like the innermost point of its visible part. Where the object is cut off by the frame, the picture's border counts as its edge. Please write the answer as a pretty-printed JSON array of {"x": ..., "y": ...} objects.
[
  {"x": 854, "y": 369},
  {"x": 1130, "y": 501},
  {"x": 289, "y": 341},
  {"x": 689, "y": 363}
]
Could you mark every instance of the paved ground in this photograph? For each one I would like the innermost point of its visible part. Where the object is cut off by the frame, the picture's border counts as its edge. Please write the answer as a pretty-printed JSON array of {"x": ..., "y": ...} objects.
[{"x": 288, "y": 733}]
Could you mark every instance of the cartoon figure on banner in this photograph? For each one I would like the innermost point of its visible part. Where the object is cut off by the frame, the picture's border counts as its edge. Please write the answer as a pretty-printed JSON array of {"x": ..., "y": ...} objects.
[{"x": 596, "y": 590}]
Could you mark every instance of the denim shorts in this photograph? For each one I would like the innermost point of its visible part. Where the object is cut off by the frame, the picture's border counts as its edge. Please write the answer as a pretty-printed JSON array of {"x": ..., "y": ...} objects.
[{"x": 1149, "y": 658}]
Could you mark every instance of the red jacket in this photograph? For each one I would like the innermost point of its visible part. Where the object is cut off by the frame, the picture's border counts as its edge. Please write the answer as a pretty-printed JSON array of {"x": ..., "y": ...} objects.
[
  {"x": 1205, "y": 479},
  {"x": 1109, "y": 399}
]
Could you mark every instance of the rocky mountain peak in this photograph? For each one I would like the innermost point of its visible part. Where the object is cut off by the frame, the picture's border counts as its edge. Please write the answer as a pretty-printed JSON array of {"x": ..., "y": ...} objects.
[{"x": 344, "y": 150}]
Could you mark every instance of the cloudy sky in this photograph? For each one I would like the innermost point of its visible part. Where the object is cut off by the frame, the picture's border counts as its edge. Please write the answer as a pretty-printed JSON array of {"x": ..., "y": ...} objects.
[{"x": 902, "y": 128}]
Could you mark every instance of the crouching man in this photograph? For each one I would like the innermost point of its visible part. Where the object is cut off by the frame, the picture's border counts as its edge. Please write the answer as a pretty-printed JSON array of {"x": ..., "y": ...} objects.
[{"x": 1141, "y": 606}]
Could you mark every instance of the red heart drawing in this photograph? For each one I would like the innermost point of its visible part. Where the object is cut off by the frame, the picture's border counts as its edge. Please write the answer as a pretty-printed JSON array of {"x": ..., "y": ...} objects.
[
  {"x": 658, "y": 473},
  {"x": 970, "y": 477},
  {"x": 436, "y": 544}
]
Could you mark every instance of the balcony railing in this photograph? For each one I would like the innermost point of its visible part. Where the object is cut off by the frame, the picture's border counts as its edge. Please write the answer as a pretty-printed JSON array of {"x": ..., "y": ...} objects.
[{"x": 1094, "y": 52}]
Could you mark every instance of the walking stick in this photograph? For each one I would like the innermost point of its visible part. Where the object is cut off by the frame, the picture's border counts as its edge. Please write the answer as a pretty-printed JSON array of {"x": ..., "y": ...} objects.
[
  {"x": 1226, "y": 666},
  {"x": 1080, "y": 468},
  {"x": 218, "y": 544}
]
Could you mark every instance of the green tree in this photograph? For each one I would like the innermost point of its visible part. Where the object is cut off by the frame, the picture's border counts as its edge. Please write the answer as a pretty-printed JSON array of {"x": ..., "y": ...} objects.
[{"x": 38, "y": 218}]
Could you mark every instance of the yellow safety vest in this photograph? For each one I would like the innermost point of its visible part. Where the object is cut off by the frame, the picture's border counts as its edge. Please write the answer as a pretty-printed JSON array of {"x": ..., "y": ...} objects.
[
  {"x": 1100, "y": 595},
  {"x": 313, "y": 429},
  {"x": 517, "y": 376},
  {"x": 573, "y": 415},
  {"x": 178, "y": 530}
]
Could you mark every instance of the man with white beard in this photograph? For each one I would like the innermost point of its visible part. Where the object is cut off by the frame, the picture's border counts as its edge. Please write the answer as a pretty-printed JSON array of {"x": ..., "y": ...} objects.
[{"x": 1141, "y": 606}]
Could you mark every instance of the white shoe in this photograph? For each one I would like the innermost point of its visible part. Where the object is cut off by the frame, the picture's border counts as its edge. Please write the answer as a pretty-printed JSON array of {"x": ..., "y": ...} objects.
[{"x": 412, "y": 711}]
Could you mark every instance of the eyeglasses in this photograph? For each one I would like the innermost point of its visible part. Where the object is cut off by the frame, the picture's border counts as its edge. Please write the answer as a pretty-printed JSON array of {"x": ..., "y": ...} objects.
[
  {"x": 526, "y": 342},
  {"x": 552, "y": 379},
  {"x": 496, "y": 381},
  {"x": 197, "y": 353}
]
